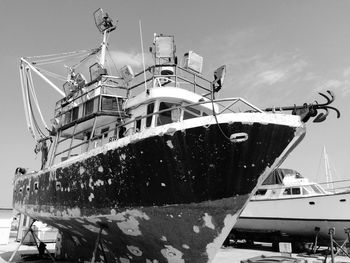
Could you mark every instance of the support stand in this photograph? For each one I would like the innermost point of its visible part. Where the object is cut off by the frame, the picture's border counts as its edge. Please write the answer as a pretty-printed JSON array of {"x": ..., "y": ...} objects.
[
  {"x": 333, "y": 244},
  {"x": 314, "y": 247},
  {"x": 99, "y": 243},
  {"x": 41, "y": 247}
]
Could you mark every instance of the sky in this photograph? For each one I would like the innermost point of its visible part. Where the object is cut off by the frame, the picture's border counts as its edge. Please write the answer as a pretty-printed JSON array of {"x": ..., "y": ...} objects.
[{"x": 277, "y": 53}]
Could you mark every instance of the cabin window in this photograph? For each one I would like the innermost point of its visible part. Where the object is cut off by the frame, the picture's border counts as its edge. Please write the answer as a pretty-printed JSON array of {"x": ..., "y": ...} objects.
[
  {"x": 138, "y": 125},
  {"x": 121, "y": 132},
  {"x": 190, "y": 113},
  {"x": 89, "y": 107},
  {"x": 261, "y": 192},
  {"x": 169, "y": 115},
  {"x": 110, "y": 104},
  {"x": 296, "y": 191},
  {"x": 315, "y": 188},
  {"x": 150, "y": 109},
  {"x": 306, "y": 191},
  {"x": 287, "y": 191},
  {"x": 75, "y": 113},
  {"x": 67, "y": 117},
  {"x": 104, "y": 132}
]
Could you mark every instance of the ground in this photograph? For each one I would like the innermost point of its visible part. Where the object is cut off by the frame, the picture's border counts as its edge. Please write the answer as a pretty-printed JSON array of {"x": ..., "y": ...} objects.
[{"x": 225, "y": 255}]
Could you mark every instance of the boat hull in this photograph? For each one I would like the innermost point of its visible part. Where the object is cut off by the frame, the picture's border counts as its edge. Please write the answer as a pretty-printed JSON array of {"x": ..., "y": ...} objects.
[
  {"x": 296, "y": 218},
  {"x": 181, "y": 190}
]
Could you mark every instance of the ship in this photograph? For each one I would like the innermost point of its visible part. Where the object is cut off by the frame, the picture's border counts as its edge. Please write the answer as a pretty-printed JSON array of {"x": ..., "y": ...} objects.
[
  {"x": 147, "y": 167},
  {"x": 288, "y": 207}
]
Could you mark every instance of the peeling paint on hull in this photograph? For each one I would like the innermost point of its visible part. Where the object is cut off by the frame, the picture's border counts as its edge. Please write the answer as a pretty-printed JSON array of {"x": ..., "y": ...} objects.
[{"x": 169, "y": 198}]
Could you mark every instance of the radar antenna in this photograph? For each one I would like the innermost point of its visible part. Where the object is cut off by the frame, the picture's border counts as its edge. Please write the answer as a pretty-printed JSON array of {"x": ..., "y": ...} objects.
[{"x": 103, "y": 21}]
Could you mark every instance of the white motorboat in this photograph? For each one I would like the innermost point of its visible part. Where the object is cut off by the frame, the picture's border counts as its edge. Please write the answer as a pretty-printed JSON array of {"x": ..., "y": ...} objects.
[{"x": 288, "y": 206}]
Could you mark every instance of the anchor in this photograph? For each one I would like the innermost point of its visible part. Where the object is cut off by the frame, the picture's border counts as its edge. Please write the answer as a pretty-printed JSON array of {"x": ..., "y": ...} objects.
[{"x": 310, "y": 110}]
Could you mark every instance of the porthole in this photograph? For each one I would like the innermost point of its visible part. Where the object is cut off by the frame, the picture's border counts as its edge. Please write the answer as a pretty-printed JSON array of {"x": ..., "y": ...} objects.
[
  {"x": 311, "y": 203},
  {"x": 342, "y": 200},
  {"x": 238, "y": 137}
]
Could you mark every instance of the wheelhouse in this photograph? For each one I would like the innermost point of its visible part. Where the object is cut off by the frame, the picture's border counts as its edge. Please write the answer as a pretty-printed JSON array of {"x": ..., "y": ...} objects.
[{"x": 105, "y": 108}]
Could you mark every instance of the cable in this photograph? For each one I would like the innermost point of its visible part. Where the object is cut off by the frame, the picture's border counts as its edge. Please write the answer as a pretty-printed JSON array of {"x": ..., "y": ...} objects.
[
  {"x": 36, "y": 100},
  {"x": 24, "y": 95},
  {"x": 214, "y": 114}
]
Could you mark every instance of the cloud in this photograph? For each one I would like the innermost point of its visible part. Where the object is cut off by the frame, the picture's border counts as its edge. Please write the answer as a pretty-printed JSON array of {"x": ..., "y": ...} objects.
[
  {"x": 134, "y": 59},
  {"x": 271, "y": 77},
  {"x": 257, "y": 64},
  {"x": 339, "y": 87}
]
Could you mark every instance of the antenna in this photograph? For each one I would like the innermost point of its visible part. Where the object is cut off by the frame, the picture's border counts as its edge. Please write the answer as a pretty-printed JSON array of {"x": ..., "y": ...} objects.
[
  {"x": 329, "y": 177},
  {"x": 102, "y": 21},
  {"x": 104, "y": 24},
  {"x": 143, "y": 56}
]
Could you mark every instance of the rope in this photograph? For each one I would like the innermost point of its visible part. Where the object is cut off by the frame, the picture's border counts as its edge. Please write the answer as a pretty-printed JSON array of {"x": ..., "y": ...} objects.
[
  {"x": 36, "y": 100},
  {"x": 24, "y": 95},
  {"x": 29, "y": 110},
  {"x": 52, "y": 74},
  {"x": 67, "y": 54}
]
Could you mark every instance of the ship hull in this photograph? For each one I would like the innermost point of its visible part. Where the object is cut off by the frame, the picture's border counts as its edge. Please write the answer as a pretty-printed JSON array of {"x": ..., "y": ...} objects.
[
  {"x": 179, "y": 190},
  {"x": 266, "y": 220}
]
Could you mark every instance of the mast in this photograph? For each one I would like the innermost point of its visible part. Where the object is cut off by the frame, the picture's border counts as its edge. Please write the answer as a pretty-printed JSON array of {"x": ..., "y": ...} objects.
[
  {"x": 105, "y": 26},
  {"x": 329, "y": 177},
  {"x": 103, "y": 49}
]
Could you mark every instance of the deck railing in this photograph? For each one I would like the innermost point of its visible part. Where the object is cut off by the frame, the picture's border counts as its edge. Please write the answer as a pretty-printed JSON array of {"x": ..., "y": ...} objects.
[{"x": 65, "y": 149}]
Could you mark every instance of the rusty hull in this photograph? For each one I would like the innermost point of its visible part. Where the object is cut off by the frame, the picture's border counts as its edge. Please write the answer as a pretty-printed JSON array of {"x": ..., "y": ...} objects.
[{"x": 166, "y": 198}]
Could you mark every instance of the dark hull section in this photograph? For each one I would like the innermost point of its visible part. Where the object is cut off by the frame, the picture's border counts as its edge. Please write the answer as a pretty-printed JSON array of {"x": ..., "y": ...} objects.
[
  {"x": 175, "y": 233},
  {"x": 172, "y": 173}
]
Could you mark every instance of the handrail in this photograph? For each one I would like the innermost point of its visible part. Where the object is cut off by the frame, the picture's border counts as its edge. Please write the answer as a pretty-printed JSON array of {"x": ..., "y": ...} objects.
[
  {"x": 333, "y": 190},
  {"x": 126, "y": 123},
  {"x": 176, "y": 76}
]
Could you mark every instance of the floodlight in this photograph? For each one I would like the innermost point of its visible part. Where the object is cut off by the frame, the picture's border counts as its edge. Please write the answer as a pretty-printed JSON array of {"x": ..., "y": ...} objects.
[
  {"x": 165, "y": 47},
  {"x": 219, "y": 76},
  {"x": 127, "y": 73},
  {"x": 96, "y": 72},
  {"x": 193, "y": 61},
  {"x": 68, "y": 88}
]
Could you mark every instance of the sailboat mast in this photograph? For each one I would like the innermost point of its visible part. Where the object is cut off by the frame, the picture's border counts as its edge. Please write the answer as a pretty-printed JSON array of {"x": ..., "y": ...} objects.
[{"x": 329, "y": 177}]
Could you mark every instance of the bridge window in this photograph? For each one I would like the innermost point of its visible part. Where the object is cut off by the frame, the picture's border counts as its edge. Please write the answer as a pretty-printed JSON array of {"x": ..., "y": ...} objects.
[
  {"x": 190, "y": 113},
  {"x": 75, "y": 113},
  {"x": 138, "y": 125},
  {"x": 111, "y": 104},
  {"x": 150, "y": 109},
  {"x": 89, "y": 107},
  {"x": 168, "y": 116},
  {"x": 261, "y": 192}
]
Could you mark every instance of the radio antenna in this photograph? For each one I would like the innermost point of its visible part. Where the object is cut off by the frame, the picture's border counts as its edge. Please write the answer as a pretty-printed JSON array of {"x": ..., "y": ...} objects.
[{"x": 143, "y": 56}]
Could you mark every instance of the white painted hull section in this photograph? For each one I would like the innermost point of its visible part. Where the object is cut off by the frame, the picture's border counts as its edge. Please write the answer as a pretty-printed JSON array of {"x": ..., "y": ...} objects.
[{"x": 299, "y": 216}]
